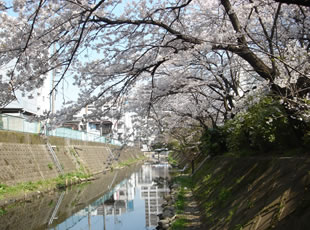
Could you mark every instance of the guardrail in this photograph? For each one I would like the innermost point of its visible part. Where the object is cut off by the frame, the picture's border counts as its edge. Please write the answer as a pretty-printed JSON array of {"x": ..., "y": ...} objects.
[{"x": 19, "y": 124}]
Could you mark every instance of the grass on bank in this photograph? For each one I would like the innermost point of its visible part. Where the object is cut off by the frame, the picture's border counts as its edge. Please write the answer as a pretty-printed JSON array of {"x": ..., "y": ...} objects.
[
  {"x": 173, "y": 162},
  {"x": 185, "y": 183},
  {"x": 26, "y": 187},
  {"x": 58, "y": 182},
  {"x": 129, "y": 162},
  {"x": 179, "y": 224}
]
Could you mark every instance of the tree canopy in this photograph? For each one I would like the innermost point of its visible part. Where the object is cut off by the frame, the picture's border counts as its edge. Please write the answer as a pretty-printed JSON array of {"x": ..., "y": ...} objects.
[{"x": 174, "y": 60}]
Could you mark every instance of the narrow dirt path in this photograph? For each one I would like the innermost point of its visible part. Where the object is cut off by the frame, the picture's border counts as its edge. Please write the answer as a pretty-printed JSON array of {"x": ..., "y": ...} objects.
[{"x": 191, "y": 212}]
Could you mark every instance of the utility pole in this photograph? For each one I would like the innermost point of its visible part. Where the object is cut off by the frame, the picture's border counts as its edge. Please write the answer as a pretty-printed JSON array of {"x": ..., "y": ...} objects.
[
  {"x": 87, "y": 122},
  {"x": 53, "y": 92},
  {"x": 52, "y": 100}
]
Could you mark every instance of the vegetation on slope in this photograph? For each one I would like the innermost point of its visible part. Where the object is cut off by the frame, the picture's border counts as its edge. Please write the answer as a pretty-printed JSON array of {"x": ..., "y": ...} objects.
[
  {"x": 129, "y": 162},
  {"x": 59, "y": 182},
  {"x": 237, "y": 192},
  {"x": 240, "y": 194},
  {"x": 265, "y": 127},
  {"x": 250, "y": 192}
]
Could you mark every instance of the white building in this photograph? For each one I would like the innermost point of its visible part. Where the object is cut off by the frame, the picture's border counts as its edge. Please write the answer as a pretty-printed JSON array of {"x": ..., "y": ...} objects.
[
  {"x": 32, "y": 103},
  {"x": 116, "y": 123}
]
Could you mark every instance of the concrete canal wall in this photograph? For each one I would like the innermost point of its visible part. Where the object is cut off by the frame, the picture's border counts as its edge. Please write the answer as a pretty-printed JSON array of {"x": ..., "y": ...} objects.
[{"x": 26, "y": 157}]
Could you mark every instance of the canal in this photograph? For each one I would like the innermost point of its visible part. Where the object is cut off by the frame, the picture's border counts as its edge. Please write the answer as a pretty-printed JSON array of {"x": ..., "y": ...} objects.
[{"x": 126, "y": 199}]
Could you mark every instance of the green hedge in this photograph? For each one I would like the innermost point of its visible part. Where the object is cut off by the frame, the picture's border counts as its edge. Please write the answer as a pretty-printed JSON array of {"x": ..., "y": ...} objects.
[{"x": 264, "y": 127}]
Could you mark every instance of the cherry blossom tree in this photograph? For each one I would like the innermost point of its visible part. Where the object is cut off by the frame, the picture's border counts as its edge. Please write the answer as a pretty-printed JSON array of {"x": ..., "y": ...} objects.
[
  {"x": 110, "y": 46},
  {"x": 297, "y": 2}
]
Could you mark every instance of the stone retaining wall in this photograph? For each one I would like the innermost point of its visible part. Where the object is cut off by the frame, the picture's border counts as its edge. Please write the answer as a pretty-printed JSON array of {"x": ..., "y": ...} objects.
[
  {"x": 94, "y": 158},
  {"x": 25, "y": 157},
  {"x": 24, "y": 162},
  {"x": 66, "y": 158}
]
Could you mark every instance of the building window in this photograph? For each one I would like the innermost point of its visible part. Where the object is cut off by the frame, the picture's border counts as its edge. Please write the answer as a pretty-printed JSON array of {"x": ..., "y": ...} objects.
[{"x": 92, "y": 126}]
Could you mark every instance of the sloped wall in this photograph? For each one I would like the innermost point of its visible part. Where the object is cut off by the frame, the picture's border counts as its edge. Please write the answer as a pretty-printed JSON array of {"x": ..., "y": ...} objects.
[
  {"x": 95, "y": 158},
  {"x": 67, "y": 159},
  {"x": 254, "y": 193},
  {"x": 124, "y": 154},
  {"x": 24, "y": 162},
  {"x": 25, "y": 157}
]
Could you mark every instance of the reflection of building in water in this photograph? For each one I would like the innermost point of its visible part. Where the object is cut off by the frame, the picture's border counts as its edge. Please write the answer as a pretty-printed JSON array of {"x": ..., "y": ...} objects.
[
  {"x": 123, "y": 197},
  {"x": 152, "y": 193},
  {"x": 121, "y": 201},
  {"x": 126, "y": 191},
  {"x": 149, "y": 172},
  {"x": 153, "y": 197},
  {"x": 117, "y": 208}
]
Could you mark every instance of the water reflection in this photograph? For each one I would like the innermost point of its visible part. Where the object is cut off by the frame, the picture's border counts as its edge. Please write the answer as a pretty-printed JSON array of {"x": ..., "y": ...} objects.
[{"x": 134, "y": 204}]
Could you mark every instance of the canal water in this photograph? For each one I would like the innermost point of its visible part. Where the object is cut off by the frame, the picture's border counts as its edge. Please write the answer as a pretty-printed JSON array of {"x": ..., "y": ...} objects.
[{"x": 128, "y": 199}]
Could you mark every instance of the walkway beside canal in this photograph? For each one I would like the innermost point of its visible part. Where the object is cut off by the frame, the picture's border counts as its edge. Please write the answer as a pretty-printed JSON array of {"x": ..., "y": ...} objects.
[
  {"x": 191, "y": 212},
  {"x": 186, "y": 206}
]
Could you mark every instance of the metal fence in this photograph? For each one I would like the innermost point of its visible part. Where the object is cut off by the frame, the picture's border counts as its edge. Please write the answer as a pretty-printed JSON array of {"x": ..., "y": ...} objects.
[{"x": 19, "y": 124}]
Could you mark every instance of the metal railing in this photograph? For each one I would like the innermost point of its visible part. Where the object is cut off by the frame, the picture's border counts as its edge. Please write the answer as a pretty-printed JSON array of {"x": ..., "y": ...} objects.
[{"x": 19, "y": 124}]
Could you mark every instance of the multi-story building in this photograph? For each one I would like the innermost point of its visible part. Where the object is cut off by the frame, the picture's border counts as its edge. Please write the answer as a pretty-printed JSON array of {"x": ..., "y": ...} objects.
[
  {"x": 34, "y": 103},
  {"x": 115, "y": 123}
]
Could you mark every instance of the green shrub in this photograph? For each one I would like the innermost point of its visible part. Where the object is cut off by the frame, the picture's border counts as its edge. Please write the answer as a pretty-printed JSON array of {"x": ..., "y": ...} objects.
[
  {"x": 28, "y": 186},
  {"x": 264, "y": 127},
  {"x": 306, "y": 140},
  {"x": 180, "y": 201},
  {"x": 2, "y": 212},
  {"x": 172, "y": 161},
  {"x": 3, "y": 187},
  {"x": 50, "y": 166},
  {"x": 224, "y": 195},
  {"x": 179, "y": 224},
  {"x": 213, "y": 141},
  {"x": 173, "y": 145}
]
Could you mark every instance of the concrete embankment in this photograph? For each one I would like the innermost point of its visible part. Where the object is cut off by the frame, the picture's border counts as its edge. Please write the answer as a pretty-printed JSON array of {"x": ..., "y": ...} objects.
[
  {"x": 26, "y": 157},
  {"x": 254, "y": 193}
]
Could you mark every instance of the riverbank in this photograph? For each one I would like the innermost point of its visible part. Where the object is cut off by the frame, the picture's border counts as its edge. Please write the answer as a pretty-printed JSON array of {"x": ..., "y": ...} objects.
[
  {"x": 181, "y": 210},
  {"x": 27, "y": 164},
  {"x": 24, "y": 192},
  {"x": 38, "y": 212},
  {"x": 252, "y": 193}
]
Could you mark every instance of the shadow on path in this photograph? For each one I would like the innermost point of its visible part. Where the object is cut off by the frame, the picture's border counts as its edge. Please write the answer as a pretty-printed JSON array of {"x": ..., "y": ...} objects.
[{"x": 191, "y": 212}]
